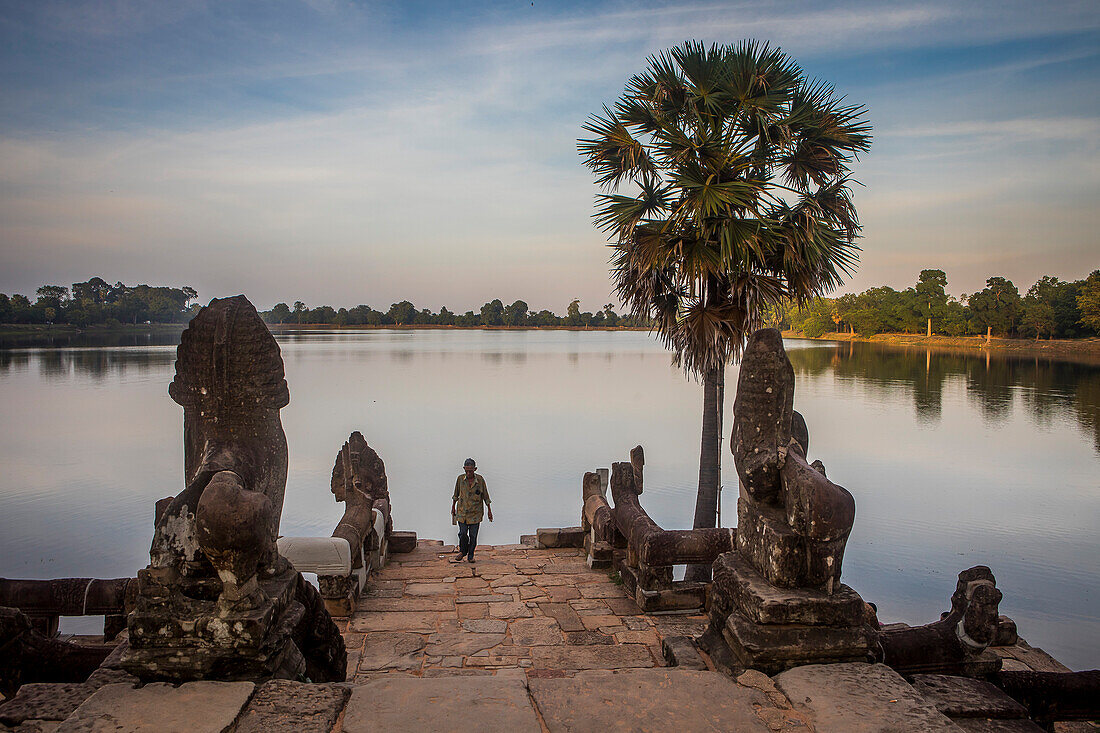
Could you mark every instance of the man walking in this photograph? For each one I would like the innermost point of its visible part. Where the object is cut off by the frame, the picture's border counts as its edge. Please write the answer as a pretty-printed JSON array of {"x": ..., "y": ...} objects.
[{"x": 466, "y": 507}]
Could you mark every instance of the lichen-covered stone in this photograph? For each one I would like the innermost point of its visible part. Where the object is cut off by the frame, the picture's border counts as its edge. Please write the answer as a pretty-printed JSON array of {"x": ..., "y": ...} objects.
[
  {"x": 282, "y": 706},
  {"x": 44, "y": 701}
]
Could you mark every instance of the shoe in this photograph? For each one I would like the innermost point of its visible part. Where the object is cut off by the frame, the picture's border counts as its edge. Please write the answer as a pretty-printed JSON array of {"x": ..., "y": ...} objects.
[
  {"x": 457, "y": 558},
  {"x": 472, "y": 560}
]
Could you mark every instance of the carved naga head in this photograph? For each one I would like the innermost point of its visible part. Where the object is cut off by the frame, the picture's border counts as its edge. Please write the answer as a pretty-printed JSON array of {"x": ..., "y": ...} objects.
[{"x": 359, "y": 474}]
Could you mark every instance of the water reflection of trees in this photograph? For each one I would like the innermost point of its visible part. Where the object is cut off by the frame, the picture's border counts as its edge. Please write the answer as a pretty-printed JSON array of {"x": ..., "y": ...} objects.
[
  {"x": 55, "y": 364},
  {"x": 1048, "y": 388}
]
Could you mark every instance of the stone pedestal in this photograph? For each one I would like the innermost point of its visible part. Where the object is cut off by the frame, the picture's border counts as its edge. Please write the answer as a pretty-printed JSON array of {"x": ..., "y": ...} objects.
[
  {"x": 771, "y": 628},
  {"x": 179, "y": 633}
]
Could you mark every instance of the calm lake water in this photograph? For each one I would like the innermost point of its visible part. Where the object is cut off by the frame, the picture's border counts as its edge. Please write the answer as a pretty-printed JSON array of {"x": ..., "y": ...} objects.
[{"x": 954, "y": 460}]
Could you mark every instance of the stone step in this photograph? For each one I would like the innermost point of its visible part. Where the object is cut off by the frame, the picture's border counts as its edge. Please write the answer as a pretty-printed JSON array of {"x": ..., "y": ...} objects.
[{"x": 398, "y": 703}]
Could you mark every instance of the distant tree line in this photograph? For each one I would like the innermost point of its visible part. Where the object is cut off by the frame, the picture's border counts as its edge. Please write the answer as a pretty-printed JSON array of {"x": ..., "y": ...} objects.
[
  {"x": 98, "y": 302},
  {"x": 1051, "y": 308},
  {"x": 493, "y": 313}
]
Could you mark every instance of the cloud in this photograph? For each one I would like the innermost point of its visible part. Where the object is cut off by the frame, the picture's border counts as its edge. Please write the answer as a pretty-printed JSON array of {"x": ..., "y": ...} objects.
[{"x": 344, "y": 154}]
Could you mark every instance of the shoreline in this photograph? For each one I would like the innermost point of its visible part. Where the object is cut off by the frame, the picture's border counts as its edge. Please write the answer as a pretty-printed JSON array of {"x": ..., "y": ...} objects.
[
  {"x": 64, "y": 329},
  {"x": 1087, "y": 349}
]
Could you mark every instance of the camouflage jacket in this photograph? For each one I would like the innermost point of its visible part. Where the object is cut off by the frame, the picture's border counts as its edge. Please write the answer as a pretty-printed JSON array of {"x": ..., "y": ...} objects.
[{"x": 470, "y": 499}]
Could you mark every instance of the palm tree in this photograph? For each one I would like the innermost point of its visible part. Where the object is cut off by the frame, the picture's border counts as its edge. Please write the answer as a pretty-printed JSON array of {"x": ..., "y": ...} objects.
[{"x": 726, "y": 182}]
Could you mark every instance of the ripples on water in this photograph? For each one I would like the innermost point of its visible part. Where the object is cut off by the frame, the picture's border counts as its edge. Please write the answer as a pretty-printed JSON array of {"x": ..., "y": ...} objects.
[{"x": 954, "y": 460}]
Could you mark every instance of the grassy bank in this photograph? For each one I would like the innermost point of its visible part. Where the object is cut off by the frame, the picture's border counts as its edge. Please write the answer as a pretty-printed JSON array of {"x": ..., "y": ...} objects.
[{"x": 1055, "y": 348}]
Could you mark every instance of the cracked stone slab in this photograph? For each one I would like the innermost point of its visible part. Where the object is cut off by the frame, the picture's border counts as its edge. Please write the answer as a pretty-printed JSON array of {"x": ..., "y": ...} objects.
[
  {"x": 391, "y": 650},
  {"x": 460, "y": 643},
  {"x": 658, "y": 699},
  {"x": 536, "y": 632},
  {"x": 44, "y": 701},
  {"x": 963, "y": 697},
  {"x": 193, "y": 707},
  {"x": 282, "y": 706},
  {"x": 860, "y": 698},
  {"x": 441, "y": 703}
]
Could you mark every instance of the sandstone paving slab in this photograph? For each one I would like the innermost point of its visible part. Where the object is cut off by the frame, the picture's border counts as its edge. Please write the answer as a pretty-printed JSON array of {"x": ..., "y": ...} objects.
[
  {"x": 473, "y": 610},
  {"x": 564, "y": 614},
  {"x": 601, "y": 590},
  {"x": 540, "y": 631},
  {"x": 860, "y": 698},
  {"x": 460, "y": 643},
  {"x": 464, "y": 672},
  {"x": 282, "y": 706},
  {"x": 589, "y": 604},
  {"x": 647, "y": 700},
  {"x": 510, "y": 580},
  {"x": 549, "y": 581},
  {"x": 44, "y": 701},
  {"x": 596, "y": 656},
  {"x": 449, "y": 703},
  {"x": 561, "y": 593},
  {"x": 485, "y": 625},
  {"x": 406, "y": 603},
  {"x": 964, "y": 697},
  {"x": 193, "y": 707},
  {"x": 594, "y": 622},
  {"x": 421, "y": 621},
  {"x": 494, "y": 661},
  {"x": 530, "y": 592},
  {"x": 622, "y": 606},
  {"x": 579, "y": 638},
  {"x": 511, "y": 609},
  {"x": 569, "y": 568},
  {"x": 645, "y": 636},
  {"x": 399, "y": 650},
  {"x": 483, "y": 598},
  {"x": 430, "y": 589},
  {"x": 432, "y": 571},
  {"x": 993, "y": 725}
]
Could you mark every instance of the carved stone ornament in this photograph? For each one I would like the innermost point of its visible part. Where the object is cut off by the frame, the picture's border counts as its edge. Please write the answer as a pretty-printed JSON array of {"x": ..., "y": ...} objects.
[{"x": 217, "y": 601}]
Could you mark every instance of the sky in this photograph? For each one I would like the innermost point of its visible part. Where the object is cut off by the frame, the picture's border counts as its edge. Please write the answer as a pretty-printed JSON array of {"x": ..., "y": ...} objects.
[{"x": 341, "y": 152}]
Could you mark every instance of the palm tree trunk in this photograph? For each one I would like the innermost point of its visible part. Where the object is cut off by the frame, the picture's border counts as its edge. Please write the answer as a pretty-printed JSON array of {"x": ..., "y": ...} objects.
[{"x": 706, "y": 500}]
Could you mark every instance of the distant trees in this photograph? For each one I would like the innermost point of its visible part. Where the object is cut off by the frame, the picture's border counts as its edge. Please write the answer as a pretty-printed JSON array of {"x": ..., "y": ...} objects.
[
  {"x": 404, "y": 313},
  {"x": 515, "y": 314},
  {"x": 932, "y": 289},
  {"x": 492, "y": 313},
  {"x": 1052, "y": 308},
  {"x": 1088, "y": 301},
  {"x": 95, "y": 302},
  {"x": 998, "y": 306}
]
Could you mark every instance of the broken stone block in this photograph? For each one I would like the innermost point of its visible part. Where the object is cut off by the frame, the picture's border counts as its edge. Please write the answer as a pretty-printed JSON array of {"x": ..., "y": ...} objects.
[
  {"x": 680, "y": 651},
  {"x": 402, "y": 542},
  {"x": 841, "y": 698},
  {"x": 963, "y": 697}
]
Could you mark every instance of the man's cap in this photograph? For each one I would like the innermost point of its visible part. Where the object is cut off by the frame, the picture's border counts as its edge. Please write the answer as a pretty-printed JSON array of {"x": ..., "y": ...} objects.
[{"x": 469, "y": 462}]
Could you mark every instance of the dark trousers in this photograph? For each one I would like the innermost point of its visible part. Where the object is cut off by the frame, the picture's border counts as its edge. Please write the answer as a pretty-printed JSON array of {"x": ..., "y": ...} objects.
[{"x": 467, "y": 539}]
